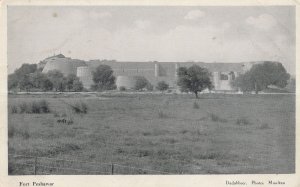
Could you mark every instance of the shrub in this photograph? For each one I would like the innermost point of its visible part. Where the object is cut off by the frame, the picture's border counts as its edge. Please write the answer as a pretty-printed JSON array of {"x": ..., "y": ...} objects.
[
  {"x": 162, "y": 86},
  {"x": 11, "y": 131},
  {"x": 79, "y": 108},
  {"x": 38, "y": 107},
  {"x": 44, "y": 106},
  {"x": 141, "y": 83},
  {"x": 146, "y": 133},
  {"x": 242, "y": 121},
  {"x": 13, "y": 109},
  {"x": 122, "y": 88},
  {"x": 195, "y": 105},
  {"x": 216, "y": 118},
  {"x": 24, "y": 108},
  {"x": 35, "y": 108}
]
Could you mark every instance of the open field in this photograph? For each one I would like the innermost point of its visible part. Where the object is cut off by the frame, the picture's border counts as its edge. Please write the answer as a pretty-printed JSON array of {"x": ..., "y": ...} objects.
[{"x": 173, "y": 134}]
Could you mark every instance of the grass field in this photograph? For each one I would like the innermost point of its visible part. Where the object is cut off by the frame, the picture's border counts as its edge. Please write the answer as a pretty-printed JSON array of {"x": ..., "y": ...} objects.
[{"x": 176, "y": 134}]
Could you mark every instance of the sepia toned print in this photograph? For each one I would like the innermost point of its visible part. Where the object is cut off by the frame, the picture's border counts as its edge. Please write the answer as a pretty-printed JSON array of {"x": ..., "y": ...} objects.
[{"x": 126, "y": 90}]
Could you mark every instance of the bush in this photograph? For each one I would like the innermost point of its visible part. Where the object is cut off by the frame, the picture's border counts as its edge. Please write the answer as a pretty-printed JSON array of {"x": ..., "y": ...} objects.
[
  {"x": 122, "y": 88},
  {"x": 38, "y": 107},
  {"x": 79, "y": 108},
  {"x": 242, "y": 121},
  {"x": 141, "y": 83},
  {"x": 216, "y": 118},
  {"x": 24, "y": 108},
  {"x": 11, "y": 131},
  {"x": 44, "y": 106},
  {"x": 162, "y": 86},
  {"x": 14, "y": 109},
  {"x": 35, "y": 107}
]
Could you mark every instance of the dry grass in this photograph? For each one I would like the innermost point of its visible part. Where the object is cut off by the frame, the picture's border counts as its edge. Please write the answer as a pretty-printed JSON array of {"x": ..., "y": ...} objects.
[
  {"x": 173, "y": 138},
  {"x": 243, "y": 121}
]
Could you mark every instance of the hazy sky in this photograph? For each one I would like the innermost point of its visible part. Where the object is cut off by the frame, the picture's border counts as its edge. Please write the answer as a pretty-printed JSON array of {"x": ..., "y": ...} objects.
[{"x": 195, "y": 33}]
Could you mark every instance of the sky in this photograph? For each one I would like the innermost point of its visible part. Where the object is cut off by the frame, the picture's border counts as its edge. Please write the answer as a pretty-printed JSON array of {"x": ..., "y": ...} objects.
[{"x": 152, "y": 33}]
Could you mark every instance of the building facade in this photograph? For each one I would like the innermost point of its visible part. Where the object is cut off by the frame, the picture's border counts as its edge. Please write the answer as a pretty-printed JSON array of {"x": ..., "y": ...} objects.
[{"x": 126, "y": 72}]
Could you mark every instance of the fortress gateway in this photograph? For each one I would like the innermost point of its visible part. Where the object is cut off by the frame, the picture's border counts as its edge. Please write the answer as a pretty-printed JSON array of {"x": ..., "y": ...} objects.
[{"x": 125, "y": 72}]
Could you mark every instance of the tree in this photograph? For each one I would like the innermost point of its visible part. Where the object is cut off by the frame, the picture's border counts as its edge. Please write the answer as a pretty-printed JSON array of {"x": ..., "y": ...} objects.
[
  {"x": 20, "y": 77},
  {"x": 103, "y": 78},
  {"x": 58, "y": 80},
  {"x": 77, "y": 86},
  {"x": 39, "y": 80},
  {"x": 46, "y": 85},
  {"x": 73, "y": 83},
  {"x": 25, "y": 83},
  {"x": 13, "y": 81},
  {"x": 141, "y": 83},
  {"x": 162, "y": 86},
  {"x": 26, "y": 69},
  {"x": 193, "y": 79},
  {"x": 260, "y": 76}
]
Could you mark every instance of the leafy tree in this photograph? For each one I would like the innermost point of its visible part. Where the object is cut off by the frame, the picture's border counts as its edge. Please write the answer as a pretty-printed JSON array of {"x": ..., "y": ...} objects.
[
  {"x": 260, "y": 76},
  {"x": 141, "y": 83},
  {"x": 39, "y": 80},
  {"x": 20, "y": 77},
  {"x": 73, "y": 83},
  {"x": 25, "y": 83},
  {"x": 162, "y": 86},
  {"x": 13, "y": 81},
  {"x": 26, "y": 69},
  {"x": 103, "y": 78},
  {"x": 77, "y": 86},
  {"x": 46, "y": 85},
  {"x": 58, "y": 80},
  {"x": 193, "y": 79}
]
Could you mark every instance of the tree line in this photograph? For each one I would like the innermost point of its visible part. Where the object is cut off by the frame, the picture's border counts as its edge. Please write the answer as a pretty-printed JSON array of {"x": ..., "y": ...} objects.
[
  {"x": 105, "y": 80},
  {"x": 29, "y": 78},
  {"x": 260, "y": 76},
  {"x": 192, "y": 79}
]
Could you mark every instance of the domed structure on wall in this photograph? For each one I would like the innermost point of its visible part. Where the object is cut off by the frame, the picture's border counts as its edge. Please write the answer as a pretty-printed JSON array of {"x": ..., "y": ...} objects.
[{"x": 64, "y": 65}]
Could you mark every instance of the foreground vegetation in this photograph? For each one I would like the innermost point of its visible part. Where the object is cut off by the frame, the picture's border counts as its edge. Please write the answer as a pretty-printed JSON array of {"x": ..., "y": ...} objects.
[{"x": 168, "y": 133}]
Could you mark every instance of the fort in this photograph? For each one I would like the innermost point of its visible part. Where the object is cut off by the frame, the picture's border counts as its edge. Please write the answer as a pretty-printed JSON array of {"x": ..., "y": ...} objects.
[{"x": 126, "y": 72}]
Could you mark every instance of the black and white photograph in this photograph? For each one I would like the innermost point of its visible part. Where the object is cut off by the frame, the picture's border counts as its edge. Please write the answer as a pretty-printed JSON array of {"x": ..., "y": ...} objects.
[{"x": 151, "y": 90}]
